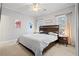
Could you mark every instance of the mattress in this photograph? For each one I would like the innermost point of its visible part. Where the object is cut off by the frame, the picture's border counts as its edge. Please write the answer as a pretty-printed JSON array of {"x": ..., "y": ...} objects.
[{"x": 37, "y": 42}]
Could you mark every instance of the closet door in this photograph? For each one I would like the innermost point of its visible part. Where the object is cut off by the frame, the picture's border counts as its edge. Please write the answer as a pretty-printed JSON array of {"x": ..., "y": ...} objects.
[{"x": 0, "y": 10}]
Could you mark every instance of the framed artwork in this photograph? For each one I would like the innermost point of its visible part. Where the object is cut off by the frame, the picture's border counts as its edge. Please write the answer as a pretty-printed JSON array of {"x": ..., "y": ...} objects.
[
  {"x": 18, "y": 24},
  {"x": 30, "y": 25}
]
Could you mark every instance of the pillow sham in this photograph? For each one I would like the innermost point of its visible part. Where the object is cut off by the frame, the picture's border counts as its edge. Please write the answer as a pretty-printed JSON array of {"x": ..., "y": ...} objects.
[{"x": 52, "y": 33}]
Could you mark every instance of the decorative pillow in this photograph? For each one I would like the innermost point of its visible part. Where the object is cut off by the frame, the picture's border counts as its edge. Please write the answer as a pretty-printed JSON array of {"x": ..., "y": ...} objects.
[
  {"x": 41, "y": 31},
  {"x": 52, "y": 33}
]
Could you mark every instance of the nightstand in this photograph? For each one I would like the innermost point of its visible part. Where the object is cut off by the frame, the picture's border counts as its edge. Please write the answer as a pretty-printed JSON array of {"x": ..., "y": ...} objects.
[{"x": 63, "y": 40}]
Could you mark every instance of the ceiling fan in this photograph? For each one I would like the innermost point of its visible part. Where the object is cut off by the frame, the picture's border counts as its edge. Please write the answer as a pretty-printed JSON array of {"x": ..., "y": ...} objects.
[{"x": 36, "y": 7}]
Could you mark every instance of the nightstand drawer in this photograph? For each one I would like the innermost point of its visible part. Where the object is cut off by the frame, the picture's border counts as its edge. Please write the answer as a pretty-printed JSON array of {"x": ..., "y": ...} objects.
[{"x": 63, "y": 40}]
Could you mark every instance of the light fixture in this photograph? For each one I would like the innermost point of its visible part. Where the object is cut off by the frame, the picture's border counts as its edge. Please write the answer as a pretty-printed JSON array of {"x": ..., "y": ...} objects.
[{"x": 35, "y": 7}]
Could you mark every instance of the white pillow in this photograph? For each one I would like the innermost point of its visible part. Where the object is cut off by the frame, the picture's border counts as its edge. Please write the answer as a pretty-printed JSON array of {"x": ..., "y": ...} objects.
[
  {"x": 52, "y": 33},
  {"x": 41, "y": 31}
]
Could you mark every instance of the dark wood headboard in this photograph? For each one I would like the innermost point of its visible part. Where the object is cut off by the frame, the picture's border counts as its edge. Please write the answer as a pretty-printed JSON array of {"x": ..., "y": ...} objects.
[{"x": 50, "y": 28}]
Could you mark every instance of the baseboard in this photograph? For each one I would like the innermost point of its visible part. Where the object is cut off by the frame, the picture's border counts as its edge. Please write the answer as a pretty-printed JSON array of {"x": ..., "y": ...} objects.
[{"x": 8, "y": 42}]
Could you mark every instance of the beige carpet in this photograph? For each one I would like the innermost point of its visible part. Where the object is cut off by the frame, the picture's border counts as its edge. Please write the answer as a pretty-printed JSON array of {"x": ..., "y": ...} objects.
[{"x": 18, "y": 50}]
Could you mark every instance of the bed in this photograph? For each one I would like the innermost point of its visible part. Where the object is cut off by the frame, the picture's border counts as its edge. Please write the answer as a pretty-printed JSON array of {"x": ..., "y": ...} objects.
[{"x": 38, "y": 42}]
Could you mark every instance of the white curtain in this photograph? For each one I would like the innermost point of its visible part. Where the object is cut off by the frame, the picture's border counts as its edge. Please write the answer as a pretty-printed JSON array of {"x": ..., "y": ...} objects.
[
  {"x": 68, "y": 29},
  {"x": 65, "y": 22}
]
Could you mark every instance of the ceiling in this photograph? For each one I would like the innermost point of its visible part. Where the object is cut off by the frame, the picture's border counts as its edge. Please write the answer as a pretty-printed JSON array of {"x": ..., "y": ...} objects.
[{"x": 46, "y": 8}]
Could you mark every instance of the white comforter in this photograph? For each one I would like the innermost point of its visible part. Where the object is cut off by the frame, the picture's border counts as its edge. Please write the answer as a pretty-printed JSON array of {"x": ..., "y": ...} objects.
[{"x": 37, "y": 42}]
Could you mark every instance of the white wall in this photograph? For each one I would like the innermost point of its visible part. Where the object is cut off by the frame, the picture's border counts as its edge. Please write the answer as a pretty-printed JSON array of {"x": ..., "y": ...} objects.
[
  {"x": 77, "y": 28},
  {"x": 50, "y": 19},
  {"x": 8, "y": 29}
]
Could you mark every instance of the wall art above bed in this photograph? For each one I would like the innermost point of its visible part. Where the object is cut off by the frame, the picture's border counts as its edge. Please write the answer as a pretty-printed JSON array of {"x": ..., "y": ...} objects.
[{"x": 18, "y": 23}]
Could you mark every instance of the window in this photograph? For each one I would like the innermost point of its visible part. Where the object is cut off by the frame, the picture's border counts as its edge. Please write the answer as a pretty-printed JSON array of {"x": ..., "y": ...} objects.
[{"x": 62, "y": 21}]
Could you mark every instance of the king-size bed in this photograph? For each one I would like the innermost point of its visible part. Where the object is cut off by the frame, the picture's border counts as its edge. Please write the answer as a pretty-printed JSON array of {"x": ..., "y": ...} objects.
[{"x": 38, "y": 42}]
